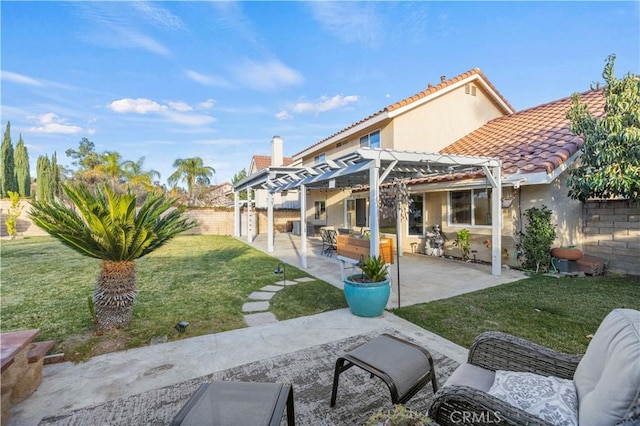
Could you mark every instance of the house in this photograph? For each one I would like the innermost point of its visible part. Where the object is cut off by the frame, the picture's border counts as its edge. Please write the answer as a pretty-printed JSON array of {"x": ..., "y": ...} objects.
[{"x": 443, "y": 143}]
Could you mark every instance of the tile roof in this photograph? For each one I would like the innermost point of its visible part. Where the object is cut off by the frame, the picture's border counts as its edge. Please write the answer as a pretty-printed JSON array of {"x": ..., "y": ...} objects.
[
  {"x": 411, "y": 99},
  {"x": 263, "y": 161},
  {"x": 538, "y": 139}
]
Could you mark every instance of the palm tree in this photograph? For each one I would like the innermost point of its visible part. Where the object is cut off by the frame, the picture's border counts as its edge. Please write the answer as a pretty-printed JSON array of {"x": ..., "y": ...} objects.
[
  {"x": 112, "y": 166},
  {"x": 137, "y": 176},
  {"x": 106, "y": 226},
  {"x": 192, "y": 171}
]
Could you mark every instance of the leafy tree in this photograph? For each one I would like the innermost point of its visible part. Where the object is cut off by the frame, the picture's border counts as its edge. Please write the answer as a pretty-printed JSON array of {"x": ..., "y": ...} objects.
[
  {"x": 13, "y": 214},
  {"x": 610, "y": 160},
  {"x": 85, "y": 157},
  {"x": 44, "y": 187},
  {"x": 23, "y": 175},
  {"x": 237, "y": 178},
  {"x": 108, "y": 226},
  {"x": 7, "y": 165},
  {"x": 193, "y": 172}
]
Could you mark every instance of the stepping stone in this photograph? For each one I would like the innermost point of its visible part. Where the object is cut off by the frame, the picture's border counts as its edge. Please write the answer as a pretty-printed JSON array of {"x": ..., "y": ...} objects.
[
  {"x": 305, "y": 279},
  {"x": 271, "y": 288},
  {"x": 255, "y": 306},
  {"x": 261, "y": 295},
  {"x": 259, "y": 319},
  {"x": 285, "y": 283}
]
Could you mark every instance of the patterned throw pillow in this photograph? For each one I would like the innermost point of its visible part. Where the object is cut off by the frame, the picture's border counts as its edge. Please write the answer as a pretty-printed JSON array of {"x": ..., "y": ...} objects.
[{"x": 550, "y": 398}]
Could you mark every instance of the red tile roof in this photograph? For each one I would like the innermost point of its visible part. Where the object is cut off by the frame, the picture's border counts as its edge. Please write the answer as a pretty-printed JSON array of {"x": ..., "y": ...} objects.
[
  {"x": 411, "y": 99},
  {"x": 263, "y": 161},
  {"x": 538, "y": 139}
]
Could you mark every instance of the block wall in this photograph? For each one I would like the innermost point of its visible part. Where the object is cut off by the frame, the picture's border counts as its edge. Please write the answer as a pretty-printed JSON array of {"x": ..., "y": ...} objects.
[{"x": 612, "y": 231}]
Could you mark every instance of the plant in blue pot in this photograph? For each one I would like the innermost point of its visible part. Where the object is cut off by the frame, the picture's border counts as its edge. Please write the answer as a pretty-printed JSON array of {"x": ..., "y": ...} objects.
[{"x": 367, "y": 293}]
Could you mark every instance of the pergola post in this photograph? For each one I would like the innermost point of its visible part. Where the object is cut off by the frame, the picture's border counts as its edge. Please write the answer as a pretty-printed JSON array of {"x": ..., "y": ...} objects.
[
  {"x": 249, "y": 217},
  {"x": 270, "y": 222},
  {"x": 496, "y": 221},
  {"x": 374, "y": 192},
  {"x": 236, "y": 214},
  {"x": 303, "y": 226}
]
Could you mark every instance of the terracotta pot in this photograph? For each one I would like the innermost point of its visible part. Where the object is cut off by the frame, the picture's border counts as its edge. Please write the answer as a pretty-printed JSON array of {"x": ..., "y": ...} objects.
[{"x": 566, "y": 253}]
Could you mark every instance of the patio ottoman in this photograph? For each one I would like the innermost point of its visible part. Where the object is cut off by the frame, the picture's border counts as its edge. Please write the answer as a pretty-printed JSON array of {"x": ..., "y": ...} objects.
[
  {"x": 237, "y": 403},
  {"x": 405, "y": 368}
]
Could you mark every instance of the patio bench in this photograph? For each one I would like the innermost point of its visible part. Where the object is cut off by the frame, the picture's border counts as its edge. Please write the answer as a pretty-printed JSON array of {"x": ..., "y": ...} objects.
[{"x": 404, "y": 367}]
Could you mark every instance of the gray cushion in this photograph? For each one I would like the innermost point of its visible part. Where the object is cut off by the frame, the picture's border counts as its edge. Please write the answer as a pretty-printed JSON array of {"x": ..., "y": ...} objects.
[
  {"x": 608, "y": 377},
  {"x": 472, "y": 376}
]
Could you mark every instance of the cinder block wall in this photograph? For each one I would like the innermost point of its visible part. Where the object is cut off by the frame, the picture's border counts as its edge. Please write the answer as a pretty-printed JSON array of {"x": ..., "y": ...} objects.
[
  {"x": 612, "y": 231},
  {"x": 210, "y": 221}
]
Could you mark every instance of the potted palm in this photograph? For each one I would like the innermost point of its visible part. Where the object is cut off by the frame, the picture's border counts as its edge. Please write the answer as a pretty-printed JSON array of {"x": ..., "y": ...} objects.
[{"x": 367, "y": 293}]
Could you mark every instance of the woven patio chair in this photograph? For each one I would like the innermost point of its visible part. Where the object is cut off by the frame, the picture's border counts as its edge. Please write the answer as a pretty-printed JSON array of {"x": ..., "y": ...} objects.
[{"x": 606, "y": 378}]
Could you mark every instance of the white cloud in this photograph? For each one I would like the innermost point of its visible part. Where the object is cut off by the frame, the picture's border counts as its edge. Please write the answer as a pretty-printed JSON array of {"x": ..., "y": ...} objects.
[
  {"x": 283, "y": 115},
  {"x": 352, "y": 22},
  {"x": 267, "y": 75},
  {"x": 139, "y": 106},
  {"x": 176, "y": 112},
  {"x": 207, "y": 104},
  {"x": 158, "y": 15},
  {"x": 180, "y": 106},
  {"x": 51, "y": 123},
  {"x": 325, "y": 104},
  {"x": 190, "y": 119},
  {"x": 20, "y": 79},
  {"x": 207, "y": 80}
]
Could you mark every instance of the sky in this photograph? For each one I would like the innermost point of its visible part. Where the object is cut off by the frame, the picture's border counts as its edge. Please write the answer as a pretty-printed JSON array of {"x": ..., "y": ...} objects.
[{"x": 217, "y": 80}]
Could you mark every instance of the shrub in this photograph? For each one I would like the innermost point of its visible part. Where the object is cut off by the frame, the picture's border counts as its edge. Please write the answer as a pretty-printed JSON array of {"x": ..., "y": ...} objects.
[
  {"x": 13, "y": 214},
  {"x": 463, "y": 243},
  {"x": 535, "y": 242}
]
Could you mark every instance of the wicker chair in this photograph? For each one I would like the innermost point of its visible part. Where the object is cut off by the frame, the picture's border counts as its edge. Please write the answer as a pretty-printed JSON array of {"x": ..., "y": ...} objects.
[{"x": 606, "y": 377}]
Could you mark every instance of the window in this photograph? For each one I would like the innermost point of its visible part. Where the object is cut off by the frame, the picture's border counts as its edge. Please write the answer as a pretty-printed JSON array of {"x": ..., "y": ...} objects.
[
  {"x": 472, "y": 207},
  {"x": 320, "y": 210},
  {"x": 416, "y": 217},
  {"x": 372, "y": 140},
  {"x": 320, "y": 158},
  {"x": 470, "y": 89}
]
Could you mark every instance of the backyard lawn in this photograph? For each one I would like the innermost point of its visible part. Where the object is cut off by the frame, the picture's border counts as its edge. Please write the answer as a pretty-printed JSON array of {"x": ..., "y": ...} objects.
[
  {"x": 559, "y": 313},
  {"x": 204, "y": 280}
]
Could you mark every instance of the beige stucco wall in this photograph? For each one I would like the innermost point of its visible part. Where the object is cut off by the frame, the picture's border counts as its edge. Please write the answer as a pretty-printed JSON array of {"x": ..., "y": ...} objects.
[
  {"x": 442, "y": 121},
  {"x": 334, "y": 202}
]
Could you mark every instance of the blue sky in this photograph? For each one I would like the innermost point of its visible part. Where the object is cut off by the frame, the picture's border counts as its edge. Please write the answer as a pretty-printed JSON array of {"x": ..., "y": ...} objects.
[{"x": 168, "y": 80}]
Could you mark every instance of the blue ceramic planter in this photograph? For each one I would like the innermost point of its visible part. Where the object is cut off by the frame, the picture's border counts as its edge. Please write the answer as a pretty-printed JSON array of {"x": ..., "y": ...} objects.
[{"x": 366, "y": 299}]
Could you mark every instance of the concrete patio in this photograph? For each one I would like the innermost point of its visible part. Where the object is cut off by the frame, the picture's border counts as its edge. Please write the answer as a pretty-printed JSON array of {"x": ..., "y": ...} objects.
[{"x": 422, "y": 278}]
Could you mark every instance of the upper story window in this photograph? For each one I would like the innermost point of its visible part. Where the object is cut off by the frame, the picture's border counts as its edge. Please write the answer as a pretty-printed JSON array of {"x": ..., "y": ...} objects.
[
  {"x": 472, "y": 207},
  {"x": 372, "y": 140},
  {"x": 470, "y": 89},
  {"x": 320, "y": 158}
]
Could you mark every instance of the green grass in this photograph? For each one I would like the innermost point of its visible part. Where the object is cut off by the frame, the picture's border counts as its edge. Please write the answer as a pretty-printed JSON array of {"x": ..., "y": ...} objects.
[
  {"x": 558, "y": 313},
  {"x": 201, "y": 279}
]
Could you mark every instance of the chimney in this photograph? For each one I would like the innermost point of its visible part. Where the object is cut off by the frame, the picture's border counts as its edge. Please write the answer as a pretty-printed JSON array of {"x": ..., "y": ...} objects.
[
  {"x": 277, "y": 156},
  {"x": 442, "y": 79}
]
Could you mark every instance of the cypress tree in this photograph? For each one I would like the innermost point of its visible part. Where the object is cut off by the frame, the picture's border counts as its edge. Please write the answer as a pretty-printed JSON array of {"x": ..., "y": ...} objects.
[
  {"x": 7, "y": 165},
  {"x": 43, "y": 182},
  {"x": 23, "y": 176},
  {"x": 56, "y": 177}
]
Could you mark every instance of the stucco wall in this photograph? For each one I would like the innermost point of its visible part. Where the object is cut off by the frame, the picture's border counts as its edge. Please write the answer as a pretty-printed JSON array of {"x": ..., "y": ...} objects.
[
  {"x": 612, "y": 231},
  {"x": 442, "y": 121}
]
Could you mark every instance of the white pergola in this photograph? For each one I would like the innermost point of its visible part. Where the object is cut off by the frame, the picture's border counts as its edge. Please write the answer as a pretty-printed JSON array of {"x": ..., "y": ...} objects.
[{"x": 372, "y": 168}]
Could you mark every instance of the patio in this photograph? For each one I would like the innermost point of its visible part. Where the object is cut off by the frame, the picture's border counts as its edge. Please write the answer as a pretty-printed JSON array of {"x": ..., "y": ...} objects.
[{"x": 446, "y": 278}]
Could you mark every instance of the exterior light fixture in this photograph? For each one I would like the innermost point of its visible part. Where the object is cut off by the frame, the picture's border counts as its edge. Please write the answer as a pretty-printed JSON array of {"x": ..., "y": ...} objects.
[
  {"x": 181, "y": 326},
  {"x": 282, "y": 271}
]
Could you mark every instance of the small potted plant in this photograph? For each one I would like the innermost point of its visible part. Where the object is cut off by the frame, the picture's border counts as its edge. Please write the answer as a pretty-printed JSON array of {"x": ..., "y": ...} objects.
[
  {"x": 463, "y": 243},
  {"x": 367, "y": 293},
  {"x": 399, "y": 415}
]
